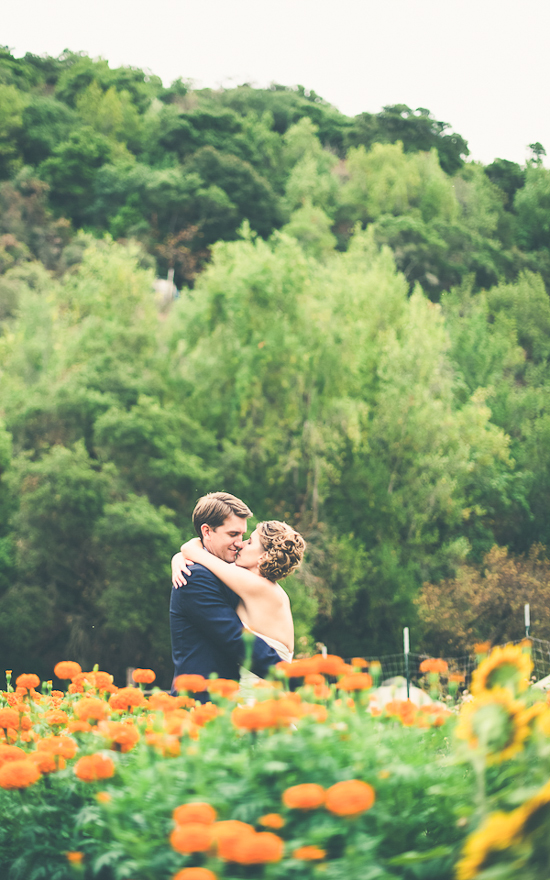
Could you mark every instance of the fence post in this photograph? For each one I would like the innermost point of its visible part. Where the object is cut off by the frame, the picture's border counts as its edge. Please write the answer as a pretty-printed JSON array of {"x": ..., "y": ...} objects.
[
  {"x": 406, "y": 652},
  {"x": 527, "y": 618}
]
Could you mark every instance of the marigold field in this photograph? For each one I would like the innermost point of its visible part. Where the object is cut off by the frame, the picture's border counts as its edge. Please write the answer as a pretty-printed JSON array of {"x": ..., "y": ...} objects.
[{"x": 311, "y": 778}]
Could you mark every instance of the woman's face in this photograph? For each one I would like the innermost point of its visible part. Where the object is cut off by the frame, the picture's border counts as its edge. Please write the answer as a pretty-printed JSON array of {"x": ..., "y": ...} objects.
[{"x": 249, "y": 555}]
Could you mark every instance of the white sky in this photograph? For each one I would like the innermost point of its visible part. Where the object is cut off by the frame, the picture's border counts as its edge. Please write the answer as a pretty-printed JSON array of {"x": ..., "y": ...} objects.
[{"x": 481, "y": 65}]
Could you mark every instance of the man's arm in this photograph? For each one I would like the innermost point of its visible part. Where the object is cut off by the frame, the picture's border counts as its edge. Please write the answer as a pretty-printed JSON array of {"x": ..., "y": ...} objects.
[{"x": 202, "y": 602}]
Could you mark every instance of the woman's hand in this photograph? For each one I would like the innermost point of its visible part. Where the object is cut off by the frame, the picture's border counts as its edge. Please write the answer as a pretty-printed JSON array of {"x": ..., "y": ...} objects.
[{"x": 179, "y": 569}]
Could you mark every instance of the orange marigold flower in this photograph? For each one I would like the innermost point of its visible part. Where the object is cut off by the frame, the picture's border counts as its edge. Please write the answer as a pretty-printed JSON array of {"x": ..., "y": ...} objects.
[
  {"x": 103, "y": 797},
  {"x": 18, "y": 774},
  {"x": 193, "y": 683},
  {"x": 58, "y": 745},
  {"x": 405, "y": 710},
  {"x": 226, "y": 835},
  {"x": 225, "y": 687},
  {"x": 66, "y": 669},
  {"x": 287, "y": 709},
  {"x": 47, "y": 762},
  {"x": 75, "y": 858},
  {"x": 25, "y": 723},
  {"x": 482, "y": 647},
  {"x": 357, "y": 681},
  {"x": 320, "y": 713},
  {"x": 202, "y": 813},
  {"x": 309, "y": 853},
  {"x": 126, "y": 699},
  {"x": 9, "y": 735},
  {"x": 79, "y": 727},
  {"x": 191, "y": 837},
  {"x": 433, "y": 664},
  {"x": 204, "y": 712},
  {"x": 330, "y": 665},
  {"x": 256, "y": 717},
  {"x": 258, "y": 849},
  {"x": 27, "y": 680},
  {"x": 103, "y": 681},
  {"x": 350, "y": 798},
  {"x": 90, "y": 768},
  {"x": 163, "y": 702},
  {"x": 121, "y": 735},
  {"x": 307, "y": 796},
  {"x": 79, "y": 681},
  {"x": 143, "y": 676},
  {"x": 272, "y": 820},
  {"x": 300, "y": 668},
  {"x": 9, "y": 718},
  {"x": 315, "y": 678},
  {"x": 91, "y": 709},
  {"x": 56, "y": 718},
  {"x": 165, "y": 744},
  {"x": 195, "y": 874},
  {"x": 11, "y": 753},
  {"x": 359, "y": 662}
]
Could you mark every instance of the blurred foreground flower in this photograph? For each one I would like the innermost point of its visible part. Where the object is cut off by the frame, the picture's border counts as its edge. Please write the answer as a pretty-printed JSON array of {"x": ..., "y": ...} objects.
[
  {"x": 495, "y": 723},
  {"x": 143, "y": 676},
  {"x": 349, "y": 798},
  {"x": 90, "y": 768},
  {"x": 307, "y": 796},
  {"x": 200, "y": 812},
  {"x": 508, "y": 667},
  {"x": 66, "y": 669},
  {"x": 19, "y": 774},
  {"x": 309, "y": 853}
]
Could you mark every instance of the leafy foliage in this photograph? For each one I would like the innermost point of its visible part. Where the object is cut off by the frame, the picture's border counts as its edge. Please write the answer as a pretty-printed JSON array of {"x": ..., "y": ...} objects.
[{"x": 360, "y": 346}]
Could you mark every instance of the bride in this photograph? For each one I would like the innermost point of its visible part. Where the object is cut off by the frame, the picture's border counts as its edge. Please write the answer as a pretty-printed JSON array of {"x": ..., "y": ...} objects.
[{"x": 271, "y": 553}]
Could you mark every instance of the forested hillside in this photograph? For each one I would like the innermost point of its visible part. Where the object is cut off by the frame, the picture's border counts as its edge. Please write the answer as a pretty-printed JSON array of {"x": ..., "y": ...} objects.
[{"x": 361, "y": 346}]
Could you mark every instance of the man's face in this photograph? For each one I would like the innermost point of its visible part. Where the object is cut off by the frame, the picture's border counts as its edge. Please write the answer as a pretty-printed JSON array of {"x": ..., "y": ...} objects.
[{"x": 226, "y": 540}]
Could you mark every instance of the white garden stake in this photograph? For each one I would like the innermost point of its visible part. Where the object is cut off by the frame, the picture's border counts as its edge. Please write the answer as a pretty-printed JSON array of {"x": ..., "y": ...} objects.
[{"x": 406, "y": 652}]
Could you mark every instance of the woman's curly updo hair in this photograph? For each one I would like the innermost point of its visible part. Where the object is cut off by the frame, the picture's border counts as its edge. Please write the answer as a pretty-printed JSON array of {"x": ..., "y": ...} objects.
[{"x": 284, "y": 549}]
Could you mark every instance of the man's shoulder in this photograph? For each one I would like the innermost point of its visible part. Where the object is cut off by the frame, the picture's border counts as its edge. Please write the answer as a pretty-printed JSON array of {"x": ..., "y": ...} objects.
[{"x": 202, "y": 574}]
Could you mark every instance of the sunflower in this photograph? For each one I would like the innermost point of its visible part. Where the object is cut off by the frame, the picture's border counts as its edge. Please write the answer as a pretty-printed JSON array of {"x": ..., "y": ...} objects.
[
  {"x": 496, "y": 722},
  {"x": 508, "y": 667},
  {"x": 534, "y": 811},
  {"x": 499, "y": 832}
]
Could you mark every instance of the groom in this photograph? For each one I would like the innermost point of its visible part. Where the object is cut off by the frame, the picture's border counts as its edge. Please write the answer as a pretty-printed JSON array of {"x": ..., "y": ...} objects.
[{"x": 205, "y": 630}]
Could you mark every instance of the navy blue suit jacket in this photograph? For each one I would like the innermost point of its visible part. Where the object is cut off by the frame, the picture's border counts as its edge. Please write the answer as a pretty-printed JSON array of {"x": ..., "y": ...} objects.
[{"x": 206, "y": 632}]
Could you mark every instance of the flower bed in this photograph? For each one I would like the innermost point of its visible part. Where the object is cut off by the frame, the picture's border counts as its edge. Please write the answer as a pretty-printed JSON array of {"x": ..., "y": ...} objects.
[{"x": 110, "y": 783}]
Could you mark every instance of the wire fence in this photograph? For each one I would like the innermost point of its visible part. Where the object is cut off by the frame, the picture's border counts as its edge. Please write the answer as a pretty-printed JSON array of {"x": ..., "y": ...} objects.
[{"x": 394, "y": 665}]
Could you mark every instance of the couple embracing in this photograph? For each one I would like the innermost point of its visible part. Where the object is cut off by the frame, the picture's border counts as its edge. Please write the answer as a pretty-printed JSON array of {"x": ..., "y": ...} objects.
[{"x": 231, "y": 585}]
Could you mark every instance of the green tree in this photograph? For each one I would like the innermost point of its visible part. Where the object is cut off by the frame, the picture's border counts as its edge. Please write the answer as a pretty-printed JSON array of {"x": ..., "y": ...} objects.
[
  {"x": 251, "y": 194},
  {"x": 532, "y": 206},
  {"x": 416, "y": 129},
  {"x": 12, "y": 104},
  {"x": 71, "y": 169},
  {"x": 110, "y": 113},
  {"x": 45, "y": 123}
]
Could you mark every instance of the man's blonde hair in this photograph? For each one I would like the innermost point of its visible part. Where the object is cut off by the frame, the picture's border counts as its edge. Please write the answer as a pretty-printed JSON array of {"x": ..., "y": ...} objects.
[{"x": 214, "y": 508}]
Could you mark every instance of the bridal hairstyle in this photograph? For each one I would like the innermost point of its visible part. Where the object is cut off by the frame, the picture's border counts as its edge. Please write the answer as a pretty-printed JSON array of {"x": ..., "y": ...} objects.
[
  {"x": 284, "y": 549},
  {"x": 214, "y": 508}
]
